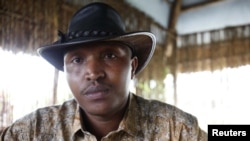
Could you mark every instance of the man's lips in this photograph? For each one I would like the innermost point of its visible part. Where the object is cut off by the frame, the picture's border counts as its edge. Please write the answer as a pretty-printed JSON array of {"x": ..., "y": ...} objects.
[{"x": 96, "y": 92}]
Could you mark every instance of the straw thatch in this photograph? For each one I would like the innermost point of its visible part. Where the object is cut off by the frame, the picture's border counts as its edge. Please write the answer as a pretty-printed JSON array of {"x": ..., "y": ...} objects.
[
  {"x": 26, "y": 25},
  {"x": 212, "y": 50}
]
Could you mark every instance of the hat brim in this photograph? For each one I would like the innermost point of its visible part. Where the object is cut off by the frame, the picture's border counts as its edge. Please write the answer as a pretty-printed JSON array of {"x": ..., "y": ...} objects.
[{"x": 143, "y": 43}]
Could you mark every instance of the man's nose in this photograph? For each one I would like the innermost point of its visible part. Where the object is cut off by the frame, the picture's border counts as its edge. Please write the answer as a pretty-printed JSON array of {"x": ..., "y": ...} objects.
[{"x": 94, "y": 69}]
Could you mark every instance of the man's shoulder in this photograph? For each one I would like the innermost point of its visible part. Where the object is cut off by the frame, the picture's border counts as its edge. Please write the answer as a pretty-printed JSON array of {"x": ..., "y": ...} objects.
[
  {"x": 65, "y": 107},
  {"x": 165, "y": 111},
  {"x": 164, "y": 120},
  {"x": 48, "y": 113},
  {"x": 43, "y": 123}
]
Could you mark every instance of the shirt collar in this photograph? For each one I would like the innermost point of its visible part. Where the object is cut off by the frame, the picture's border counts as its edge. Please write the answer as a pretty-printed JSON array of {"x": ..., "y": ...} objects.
[
  {"x": 77, "y": 120},
  {"x": 131, "y": 119}
]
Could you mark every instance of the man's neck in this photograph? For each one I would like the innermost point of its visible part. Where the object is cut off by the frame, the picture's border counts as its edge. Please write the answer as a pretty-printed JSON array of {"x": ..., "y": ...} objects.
[{"x": 100, "y": 126}]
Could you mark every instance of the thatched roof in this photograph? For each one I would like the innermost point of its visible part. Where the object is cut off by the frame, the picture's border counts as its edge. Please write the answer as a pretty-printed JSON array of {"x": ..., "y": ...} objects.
[{"x": 212, "y": 50}]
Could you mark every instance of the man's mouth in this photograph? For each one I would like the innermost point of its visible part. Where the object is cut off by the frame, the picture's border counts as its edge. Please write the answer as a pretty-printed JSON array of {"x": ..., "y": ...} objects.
[{"x": 96, "y": 92}]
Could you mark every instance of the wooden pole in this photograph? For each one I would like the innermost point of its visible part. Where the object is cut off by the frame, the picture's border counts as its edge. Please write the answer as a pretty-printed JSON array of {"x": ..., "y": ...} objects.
[
  {"x": 171, "y": 41},
  {"x": 55, "y": 85},
  {"x": 55, "y": 20}
]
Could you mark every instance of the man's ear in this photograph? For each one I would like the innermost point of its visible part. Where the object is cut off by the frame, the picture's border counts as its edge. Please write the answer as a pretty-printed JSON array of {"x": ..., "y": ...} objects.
[{"x": 134, "y": 64}]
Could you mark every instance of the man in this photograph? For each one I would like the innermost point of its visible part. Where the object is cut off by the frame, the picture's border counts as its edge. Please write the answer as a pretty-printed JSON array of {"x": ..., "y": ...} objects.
[{"x": 100, "y": 59}]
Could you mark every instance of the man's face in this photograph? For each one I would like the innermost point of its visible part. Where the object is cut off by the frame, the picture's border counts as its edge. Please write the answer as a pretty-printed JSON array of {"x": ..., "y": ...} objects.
[{"x": 99, "y": 76}]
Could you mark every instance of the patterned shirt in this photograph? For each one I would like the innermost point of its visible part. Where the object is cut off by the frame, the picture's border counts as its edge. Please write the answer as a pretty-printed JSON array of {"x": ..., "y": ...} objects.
[{"x": 144, "y": 120}]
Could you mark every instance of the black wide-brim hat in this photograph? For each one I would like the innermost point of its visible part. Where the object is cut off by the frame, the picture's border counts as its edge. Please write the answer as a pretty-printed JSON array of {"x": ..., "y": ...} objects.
[{"x": 97, "y": 22}]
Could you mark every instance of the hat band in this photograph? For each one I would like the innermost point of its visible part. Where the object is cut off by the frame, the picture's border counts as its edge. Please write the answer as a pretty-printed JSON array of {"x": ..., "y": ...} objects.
[
  {"x": 74, "y": 35},
  {"x": 81, "y": 33}
]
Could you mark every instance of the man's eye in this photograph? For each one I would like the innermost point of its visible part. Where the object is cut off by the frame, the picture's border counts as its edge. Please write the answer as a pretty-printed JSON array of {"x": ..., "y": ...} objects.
[
  {"x": 77, "y": 60},
  {"x": 110, "y": 55}
]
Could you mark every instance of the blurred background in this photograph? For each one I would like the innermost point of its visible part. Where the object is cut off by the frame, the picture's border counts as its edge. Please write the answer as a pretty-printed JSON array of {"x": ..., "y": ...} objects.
[{"x": 201, "y": 62}]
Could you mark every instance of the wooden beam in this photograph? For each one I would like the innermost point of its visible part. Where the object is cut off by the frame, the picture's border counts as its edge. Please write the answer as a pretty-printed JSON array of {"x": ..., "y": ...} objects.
[
  {"x": 55, "y": 85},
  {"x": 170, "y": 49},
  {"x": 199, "y": 5},
  {"x": 168, "y": 1},
  {"x": 171, "y": 30}
]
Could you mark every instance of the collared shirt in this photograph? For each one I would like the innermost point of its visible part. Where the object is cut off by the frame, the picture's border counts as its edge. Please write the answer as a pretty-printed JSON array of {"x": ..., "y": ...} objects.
[{"x": 144, "y": 120}]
